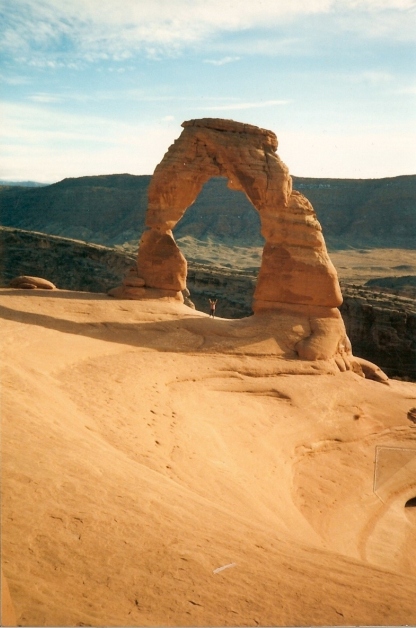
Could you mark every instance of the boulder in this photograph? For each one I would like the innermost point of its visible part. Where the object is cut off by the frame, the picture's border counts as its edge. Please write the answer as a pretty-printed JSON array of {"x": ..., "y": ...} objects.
[
  {"x": 160, "y": 263},
  {"x": 27, "y": 282}
]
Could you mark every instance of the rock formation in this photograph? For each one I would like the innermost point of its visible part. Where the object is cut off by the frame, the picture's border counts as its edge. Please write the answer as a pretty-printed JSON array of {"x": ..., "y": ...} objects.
[
  {"x": 381, "y": 327},
  {"x": 296, "y": 274}
]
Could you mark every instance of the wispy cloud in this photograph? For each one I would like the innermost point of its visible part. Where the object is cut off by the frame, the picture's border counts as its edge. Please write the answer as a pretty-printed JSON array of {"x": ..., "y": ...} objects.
[
  {"x": 51, "y": 144},
  {"x": 379, "y": 154},
  {"x": 369, "y": 77},
  {"x": 375, "y": 5},
  {"x": 36, "y": 124},
  {"x": 14, "y": 80},
  {"x": 411, "y": 89},
  {"x": 375, "y": 77},
  {"x": 58, "y": 31},
  {"x": 222, "y": 61},
  {"x": 45, "y": 98},
  {"x": 319, "y": 53},
  {"x": 245, "y": 105}
]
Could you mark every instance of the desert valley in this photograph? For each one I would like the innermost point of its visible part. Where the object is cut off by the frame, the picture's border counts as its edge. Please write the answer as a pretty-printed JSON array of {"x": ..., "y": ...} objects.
[{"x": 164, "y": 467}]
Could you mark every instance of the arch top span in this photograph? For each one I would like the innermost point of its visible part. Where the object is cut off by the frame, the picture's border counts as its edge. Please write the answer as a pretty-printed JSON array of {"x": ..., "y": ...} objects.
[
  {"x": 212, "y": 147},
  {"x": 230, "y": 126}
]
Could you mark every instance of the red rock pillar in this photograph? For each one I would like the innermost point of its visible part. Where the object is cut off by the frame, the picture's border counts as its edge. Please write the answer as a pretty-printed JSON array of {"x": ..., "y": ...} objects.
[
  {"x": 160, "y": 262},
  {"x": 295, "y": 267}
]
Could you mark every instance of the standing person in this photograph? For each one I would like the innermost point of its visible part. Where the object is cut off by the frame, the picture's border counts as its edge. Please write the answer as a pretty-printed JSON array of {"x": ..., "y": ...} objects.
[{"x": 212, "y": 304}]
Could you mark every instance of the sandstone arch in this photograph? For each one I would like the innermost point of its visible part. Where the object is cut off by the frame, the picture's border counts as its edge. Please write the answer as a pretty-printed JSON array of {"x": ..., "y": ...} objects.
[
  {"x": 296, "y": 273},
  {"x": 295, "y": 268}
]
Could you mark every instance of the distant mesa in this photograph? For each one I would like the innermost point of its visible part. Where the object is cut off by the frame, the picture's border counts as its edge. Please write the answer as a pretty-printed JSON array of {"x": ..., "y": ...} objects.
[
  {"x": 296, "y": 274},
  {"x": 26, "y": 282}
]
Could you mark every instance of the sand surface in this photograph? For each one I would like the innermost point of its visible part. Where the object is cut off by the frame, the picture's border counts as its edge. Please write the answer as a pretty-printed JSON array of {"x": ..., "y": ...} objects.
[{"x": 145, "y": 446}]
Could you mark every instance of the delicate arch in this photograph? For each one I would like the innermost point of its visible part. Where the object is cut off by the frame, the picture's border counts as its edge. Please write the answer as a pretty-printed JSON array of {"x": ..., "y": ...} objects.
[
  {"x": 295, "y": 270},
  {"x": 296, "y": 274}
]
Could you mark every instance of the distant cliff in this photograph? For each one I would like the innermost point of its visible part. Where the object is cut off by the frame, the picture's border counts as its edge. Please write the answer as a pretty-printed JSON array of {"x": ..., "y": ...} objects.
[
  {"x": 404, "y": 285},
  {"x": 382, "y": 327},
  {"x": 110, "y": 209}
]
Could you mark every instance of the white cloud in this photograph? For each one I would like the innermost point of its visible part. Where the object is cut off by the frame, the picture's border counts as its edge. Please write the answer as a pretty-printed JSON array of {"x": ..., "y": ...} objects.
[
  {"x": 265, "y": 44},
  {"x": 245, "y": 105},
  {"x": 376, "y": 77},
  {"x": 393, "y": 20},
  {"x": 375, "y": 5},
  {"x": 37, "y": 124},
  {"x": 14, "y": 80},
  {"x": 222, "y": 61},
  {"x": 42, "y": 143},
  {"x": 411, "y": 89},
  {"x": 369, "y": 77},
  {"x": 355, "y": 155},
  {"x": 93, "y": 30},
  {"x": 45, "y": 98},
  {"x": 51, "y": 145}
]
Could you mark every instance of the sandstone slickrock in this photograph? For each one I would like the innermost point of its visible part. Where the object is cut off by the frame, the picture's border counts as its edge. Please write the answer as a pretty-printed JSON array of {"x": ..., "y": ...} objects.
[
  {"x": 8, "y": 614},
  {"x": 381, "y": 327},
  {"x": 296, "y": 273}
]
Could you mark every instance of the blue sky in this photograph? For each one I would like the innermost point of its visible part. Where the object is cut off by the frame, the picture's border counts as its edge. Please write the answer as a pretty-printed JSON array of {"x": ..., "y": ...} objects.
[{"x": 102, "y": 86}]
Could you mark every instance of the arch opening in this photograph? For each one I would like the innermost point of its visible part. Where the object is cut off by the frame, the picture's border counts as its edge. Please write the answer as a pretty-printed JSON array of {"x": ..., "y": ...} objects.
[
  {"x": 411, "y": 503},
  {"x": 205, "y": 219},
  {"x": 228, "y": 241}
]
